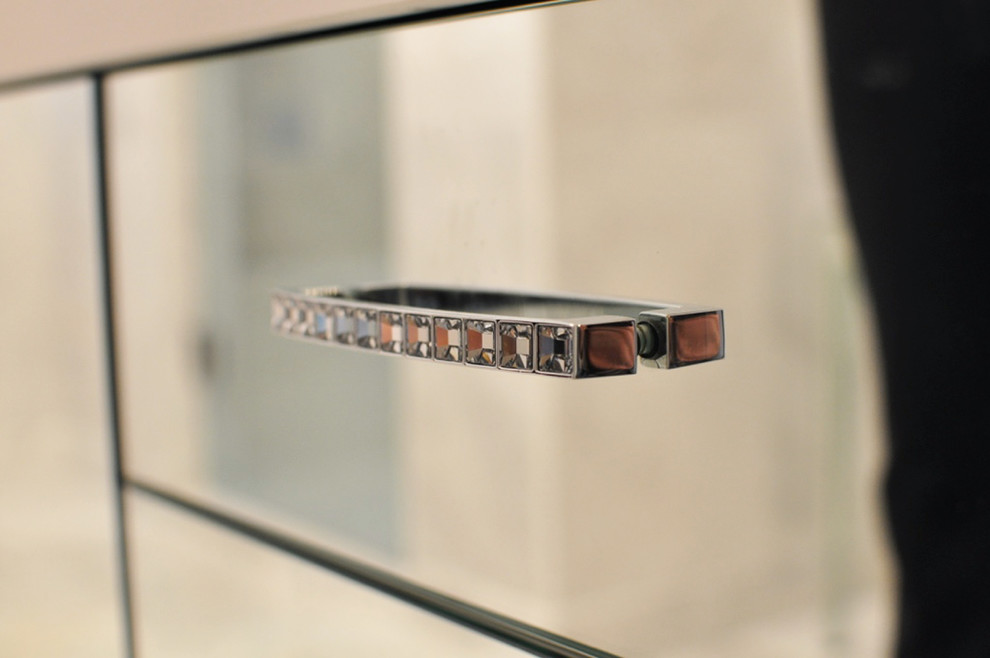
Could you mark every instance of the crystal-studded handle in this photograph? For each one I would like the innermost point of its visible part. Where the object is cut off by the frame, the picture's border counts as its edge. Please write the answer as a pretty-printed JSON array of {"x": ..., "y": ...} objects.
[{"x": 558, "y": 335}]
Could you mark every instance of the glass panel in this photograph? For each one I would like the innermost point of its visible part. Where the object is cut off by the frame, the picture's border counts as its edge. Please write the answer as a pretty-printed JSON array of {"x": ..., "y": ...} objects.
[
  {"x": 57, "y": 559},
  {"x": 201, "y": 590},
  {"x": 622, "y": 148}
]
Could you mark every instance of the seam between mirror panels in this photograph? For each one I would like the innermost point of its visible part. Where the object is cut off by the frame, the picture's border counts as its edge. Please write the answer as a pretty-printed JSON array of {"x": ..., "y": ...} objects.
[
  {"x": 101, "y": 132},
  {"x": 505, "y": 629},
  {"x": 492, "y": 624}
]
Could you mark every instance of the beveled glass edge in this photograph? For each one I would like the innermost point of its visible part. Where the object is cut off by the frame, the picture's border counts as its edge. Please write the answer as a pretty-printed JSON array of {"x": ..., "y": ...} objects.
[{"x": 512, "y": 631}]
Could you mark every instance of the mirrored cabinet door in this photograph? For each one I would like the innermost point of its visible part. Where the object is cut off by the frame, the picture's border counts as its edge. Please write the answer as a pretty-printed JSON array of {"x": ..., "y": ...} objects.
[
  {"x": 620, "y": 148},
  {"x": 610, "y": 148},
  {"x": 202, "y": 590}
]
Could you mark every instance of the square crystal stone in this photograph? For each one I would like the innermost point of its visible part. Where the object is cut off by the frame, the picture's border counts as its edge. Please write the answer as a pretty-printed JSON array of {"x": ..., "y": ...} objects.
[
  {"x": 312, "y": 313},
  {"x": 447, "y": 343},
  {"x": 280, "y": 313},
  {"x": 291, "y": 317},
  {"x": 343, "y": 325},
  {"x": 554, "y": 349},
  {"x": 366, "y": 327},
  {"x": 480, "y": 342},
  {"x": 301, "y": 319},
  {"x": 321, "y": 322},
  {"x": 515, "y": 345},
  {"x": 390, "y": 331},
  {"x": 418, "y": 335}
]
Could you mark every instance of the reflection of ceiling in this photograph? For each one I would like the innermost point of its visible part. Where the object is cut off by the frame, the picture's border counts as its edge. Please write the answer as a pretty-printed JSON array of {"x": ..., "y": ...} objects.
[{"x": 53, "y": 37}]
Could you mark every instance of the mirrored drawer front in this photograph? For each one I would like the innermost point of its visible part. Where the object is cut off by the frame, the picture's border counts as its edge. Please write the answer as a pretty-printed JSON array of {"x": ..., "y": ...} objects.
[
  {"x": 203, "y": 590},
  {"x": 587, "y": 148}
]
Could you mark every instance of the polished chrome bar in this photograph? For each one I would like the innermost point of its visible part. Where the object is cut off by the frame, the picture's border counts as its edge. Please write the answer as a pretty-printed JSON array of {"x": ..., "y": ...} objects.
[{"x": 568, "y": 336}]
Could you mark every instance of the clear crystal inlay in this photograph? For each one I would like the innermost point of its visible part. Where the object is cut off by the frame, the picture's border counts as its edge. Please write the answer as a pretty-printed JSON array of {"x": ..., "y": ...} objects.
[
  {"x": 515, "y": 345},
  {"x": 447, "y": 342},
  {"x": 321, "y": 322},
  {"x": 288, "y": 325},
  {"x": 390, "y": 330},
  {"x": 553, "y": 349},
  {"x": 366, "y": 327},
  {"x": 309, "y": 313},
  {"x": 280, "y": 313},
  {"x": 418, "y": 335},
  {"x": 480, "y": 342},
  {"x": 300, "y": 319},
  {"x": 343, "y": 325}
]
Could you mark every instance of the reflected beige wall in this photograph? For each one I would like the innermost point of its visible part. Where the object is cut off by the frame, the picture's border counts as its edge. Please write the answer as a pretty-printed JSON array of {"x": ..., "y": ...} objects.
[
  {"x": 58, "y": 594},
  {"x": 679, "y": 153},
  {"x": 156, "y": 180}
]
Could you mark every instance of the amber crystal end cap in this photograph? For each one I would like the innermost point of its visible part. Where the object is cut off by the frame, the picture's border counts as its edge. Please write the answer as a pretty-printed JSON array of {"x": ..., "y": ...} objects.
[
  {"x": 607, "y": 348},
  {"x": 695, "y": 339},
  {"x": 685, "y": 336}
]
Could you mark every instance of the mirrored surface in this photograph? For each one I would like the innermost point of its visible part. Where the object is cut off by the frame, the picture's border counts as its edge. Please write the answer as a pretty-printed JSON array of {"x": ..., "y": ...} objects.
[
  {"x": 58, "y": 573},
  {"x": 201, "y": 590},
  {"x": 627, "y": 148}
]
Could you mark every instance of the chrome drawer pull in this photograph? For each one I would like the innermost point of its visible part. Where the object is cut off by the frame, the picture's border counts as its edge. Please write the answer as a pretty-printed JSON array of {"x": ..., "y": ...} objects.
[{"x": 546, "y": 334}]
